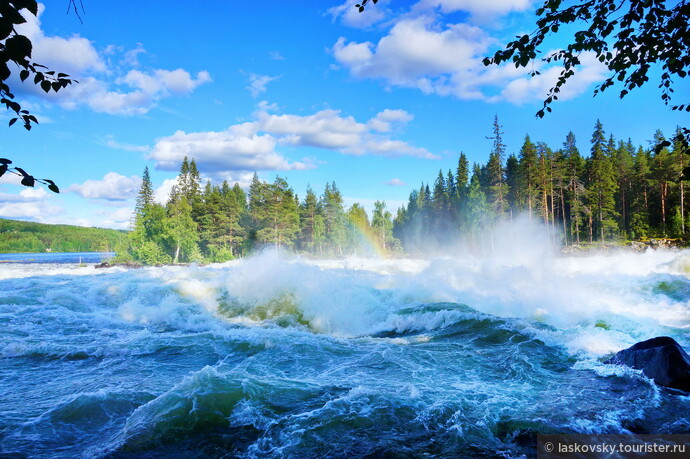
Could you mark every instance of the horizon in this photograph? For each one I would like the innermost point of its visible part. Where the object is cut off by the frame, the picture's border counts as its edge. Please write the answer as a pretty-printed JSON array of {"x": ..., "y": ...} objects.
[{"x": 340, "y": 100}]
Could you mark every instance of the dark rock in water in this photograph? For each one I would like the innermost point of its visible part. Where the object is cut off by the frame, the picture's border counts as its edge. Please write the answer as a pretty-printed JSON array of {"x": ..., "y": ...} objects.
[
  {"x": 128, "y": 264},
  {"x": 661, "y": 359}
]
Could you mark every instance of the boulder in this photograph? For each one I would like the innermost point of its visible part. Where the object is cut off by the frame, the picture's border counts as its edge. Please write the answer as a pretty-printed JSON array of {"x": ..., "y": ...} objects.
[{"x": 661, "y": 359}]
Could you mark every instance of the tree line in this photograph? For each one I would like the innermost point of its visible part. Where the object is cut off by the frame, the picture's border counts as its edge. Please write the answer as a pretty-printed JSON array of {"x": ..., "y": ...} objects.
[
  {"x": 28, "y": 237},
  {"x": 619, "y": 191},
  {"x": 219, "y": 223}
]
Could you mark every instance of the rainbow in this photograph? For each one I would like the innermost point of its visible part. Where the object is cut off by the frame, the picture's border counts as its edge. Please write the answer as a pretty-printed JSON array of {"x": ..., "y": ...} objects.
[{"x": 367, "y": 240}]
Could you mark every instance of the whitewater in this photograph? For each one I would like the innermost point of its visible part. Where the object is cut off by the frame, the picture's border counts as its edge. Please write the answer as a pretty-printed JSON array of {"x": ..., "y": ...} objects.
[{"x": 461, "y": 355}]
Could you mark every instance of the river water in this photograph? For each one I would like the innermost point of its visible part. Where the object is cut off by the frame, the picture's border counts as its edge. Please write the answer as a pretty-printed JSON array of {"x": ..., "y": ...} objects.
[{"x": 283, "y": 356}]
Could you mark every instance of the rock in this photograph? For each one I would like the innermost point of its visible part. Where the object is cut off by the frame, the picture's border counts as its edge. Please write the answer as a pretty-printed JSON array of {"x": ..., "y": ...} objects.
[
  {"x": 661, "y": 359},
  {"x": 129, "y": 264}
]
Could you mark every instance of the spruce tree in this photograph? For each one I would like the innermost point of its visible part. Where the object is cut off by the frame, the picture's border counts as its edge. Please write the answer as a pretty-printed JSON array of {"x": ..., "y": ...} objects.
[
  {"x": 602, "y": 184},
  {"x": 496, "y": 174}
]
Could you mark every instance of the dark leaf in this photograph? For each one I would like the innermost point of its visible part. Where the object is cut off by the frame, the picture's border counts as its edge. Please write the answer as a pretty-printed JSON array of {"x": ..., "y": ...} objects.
[
  {"x": 3, "y": 169},
  {"x": 24, "y": 74},
  {"x": 18, "y": 48},
  {"x": 4, "y": 71},
  {"x": 5, "y": 161},
  {"x": 32, "y": 6},
  {"x": 22, "y": 171},
  {"x": 28, "y": 180},
  {"x": 52, "y": 186},
  {"x": 38, "y": 77},
  {"x": 686, "y": 173},
  {"x": 45, "y": 85},
  {"x": 12, "y": 121},
  {"x": 5, "y": 28}
]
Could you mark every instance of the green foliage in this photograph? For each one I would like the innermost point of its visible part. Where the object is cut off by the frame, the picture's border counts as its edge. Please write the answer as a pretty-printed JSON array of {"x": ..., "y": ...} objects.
[
  {"x": 615, "y": 193},
  {"x": 17, "y": 236},
  {"x": 627, "y": 37},
  {"x": 15, "y": 53}
]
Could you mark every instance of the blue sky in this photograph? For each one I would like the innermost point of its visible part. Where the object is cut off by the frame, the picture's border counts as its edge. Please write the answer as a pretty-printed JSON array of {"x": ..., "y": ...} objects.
[{"x": 309, "y": 90}]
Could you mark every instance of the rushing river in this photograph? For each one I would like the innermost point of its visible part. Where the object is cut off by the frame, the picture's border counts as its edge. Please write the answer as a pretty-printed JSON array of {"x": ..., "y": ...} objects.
[{"x": 281, "y": 356}]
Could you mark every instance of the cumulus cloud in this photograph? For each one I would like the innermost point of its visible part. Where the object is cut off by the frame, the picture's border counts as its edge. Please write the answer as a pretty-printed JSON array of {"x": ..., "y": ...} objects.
[
  {"x": 103, "y": 87},
  {"x": 396, "y": 182},
  {"x": 113, "y": 187},
  {"x": 29, "y": 204},
  {"x": 419, "y": 51},
  {"x": 118, "y": 219},
  {"x": 252, "y": 146},
  {"x": 415, "y": 53},
  {"x": 529, "y": 89}
]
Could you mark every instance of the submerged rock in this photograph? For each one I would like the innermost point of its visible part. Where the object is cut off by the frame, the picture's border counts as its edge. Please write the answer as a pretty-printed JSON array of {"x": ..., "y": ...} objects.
[{"x": 661, "y": 359}]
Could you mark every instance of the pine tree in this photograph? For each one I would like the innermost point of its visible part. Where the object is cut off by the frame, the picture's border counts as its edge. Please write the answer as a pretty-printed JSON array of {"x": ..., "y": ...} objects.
[
  {"x": 496, "y": 174},
  {"x": 574, "y": 171},
  {"x": 639, "y": 220},
  {"x": 678, "y": 154},
  {"x": 602, "y": 184},
  {"x": 529, "y": 168},
  {"x": 663, "y": 174},
  {"x": 515, "y": 185},
  {"x": 334, "y": 218},
  {"x": 625, "y": 169},
  {"x": 312, "y": 237},
  {"x": 145, "y": 196},
  {"x": 279, "y": 215}
]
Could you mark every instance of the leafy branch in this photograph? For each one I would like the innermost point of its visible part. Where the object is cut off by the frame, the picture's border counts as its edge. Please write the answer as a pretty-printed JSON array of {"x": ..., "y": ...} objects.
[
  {"x": 15, "y": 53},
  {"x": 27, "y": 180}
]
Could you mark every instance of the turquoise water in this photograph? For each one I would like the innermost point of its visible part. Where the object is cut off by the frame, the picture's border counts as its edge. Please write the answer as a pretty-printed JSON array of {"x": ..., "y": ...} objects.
[{"x": 277, "y": 356}]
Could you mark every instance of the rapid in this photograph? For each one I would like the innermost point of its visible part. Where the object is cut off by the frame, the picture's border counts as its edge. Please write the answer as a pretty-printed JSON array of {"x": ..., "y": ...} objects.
[{"x": 285, "y": 356}]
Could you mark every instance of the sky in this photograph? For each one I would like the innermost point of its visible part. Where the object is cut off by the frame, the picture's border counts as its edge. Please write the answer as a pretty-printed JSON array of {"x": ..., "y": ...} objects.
[{"x": 309, "y": 90}]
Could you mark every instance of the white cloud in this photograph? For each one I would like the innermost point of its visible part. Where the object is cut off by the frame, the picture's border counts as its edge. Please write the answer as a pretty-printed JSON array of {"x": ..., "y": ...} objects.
[
  {"x": 528, "y": 89},
  {"x": 28, "y": 204},
  {"x": 162, "y": 193},
  {"x": 113, "y": 187},
  {"x": 118, "y": 219},
  {"x": 416, "y": 54},
  {"x": 257, "y": 83},
  {"x": 421, "y": 52},
  {"x": 396, "y": 182},
  {"x": 110, "y": 141},
  {"x": 479, "y": 9},
  {"x": 350, "y": 15},
  {"x": 251, "y": 146},
  {"x": 384, "y": 120},
  {"x": 102, "y": 87},
  {"x": 71, "y": 55}
]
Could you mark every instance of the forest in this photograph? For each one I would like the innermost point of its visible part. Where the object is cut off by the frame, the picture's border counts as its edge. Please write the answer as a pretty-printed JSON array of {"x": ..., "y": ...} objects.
[
  {"x": 219, "y": 223},
  {"x": 28, "y": 237},
  {"x": 618, "y": 191}
]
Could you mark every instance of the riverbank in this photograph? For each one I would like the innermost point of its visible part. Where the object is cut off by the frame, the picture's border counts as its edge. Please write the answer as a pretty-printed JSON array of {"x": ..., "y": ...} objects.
[{"x": 635, "y": 246}]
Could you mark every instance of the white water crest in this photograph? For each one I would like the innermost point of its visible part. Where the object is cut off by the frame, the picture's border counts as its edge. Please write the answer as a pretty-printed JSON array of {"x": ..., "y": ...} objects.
[{"x": 287, "y": 352}]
